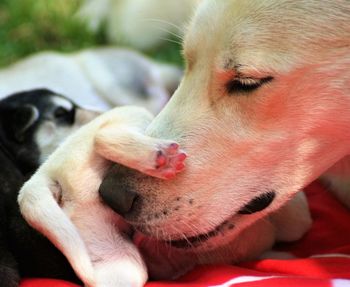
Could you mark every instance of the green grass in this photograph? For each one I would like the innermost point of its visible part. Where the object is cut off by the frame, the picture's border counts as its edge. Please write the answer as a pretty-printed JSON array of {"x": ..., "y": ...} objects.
[
  {"x": 29, "y": 26},
  {"x": 169, "y": 52}
]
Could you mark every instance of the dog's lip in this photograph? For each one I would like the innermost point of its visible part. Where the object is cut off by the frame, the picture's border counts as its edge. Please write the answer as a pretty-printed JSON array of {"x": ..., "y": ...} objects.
[{"x": 195, "y": 241}]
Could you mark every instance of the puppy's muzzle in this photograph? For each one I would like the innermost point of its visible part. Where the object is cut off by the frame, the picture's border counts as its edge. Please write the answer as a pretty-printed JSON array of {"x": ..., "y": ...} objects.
[{"x": 83, "y": 116}]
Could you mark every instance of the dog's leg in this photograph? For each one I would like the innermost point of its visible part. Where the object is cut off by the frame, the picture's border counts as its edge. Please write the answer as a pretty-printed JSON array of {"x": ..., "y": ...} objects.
[
  {"x": 338, "y": 179},
  {"x": 40, "y": 209},
  {"x": 155, "y": 157},
  {"x": 289, "y": 223},
  {"x": 293, "y": 219},
  {"x": 116, "y": 261},
  {"x": 340, "y": 187}
]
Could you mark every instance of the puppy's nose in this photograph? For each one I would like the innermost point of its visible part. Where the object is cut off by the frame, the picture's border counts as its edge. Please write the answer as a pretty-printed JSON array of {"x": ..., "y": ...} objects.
[{"x": 116, "y": 194}]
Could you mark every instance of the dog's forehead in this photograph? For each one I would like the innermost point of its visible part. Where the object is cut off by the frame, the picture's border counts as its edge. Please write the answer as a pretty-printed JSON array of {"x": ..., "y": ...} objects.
[
  {"x": 266, "y": 34},
  {"x": 267, "y": 14},
  {"x": 228, "y": 21},
  {"x": 235, "y": 34}
]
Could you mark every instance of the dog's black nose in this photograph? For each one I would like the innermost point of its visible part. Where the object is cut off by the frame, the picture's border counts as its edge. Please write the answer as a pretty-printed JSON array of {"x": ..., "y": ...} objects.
[{"x": 116, "y": 193}]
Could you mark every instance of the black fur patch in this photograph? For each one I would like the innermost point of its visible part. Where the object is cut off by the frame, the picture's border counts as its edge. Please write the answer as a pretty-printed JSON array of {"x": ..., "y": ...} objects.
[
  {"x": 21, "y": 115},
  {"x": 23, "y": 251}
]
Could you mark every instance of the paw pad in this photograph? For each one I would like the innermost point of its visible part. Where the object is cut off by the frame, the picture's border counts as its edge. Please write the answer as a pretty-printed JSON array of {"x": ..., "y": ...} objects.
[{"x": 169, "y": 161}]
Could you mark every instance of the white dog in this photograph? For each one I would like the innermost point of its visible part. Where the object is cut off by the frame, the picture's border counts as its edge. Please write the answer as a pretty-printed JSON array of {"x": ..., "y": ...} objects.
[
  {"x": 61, "y": 199},
  {"x": 101, "y": 78},
  {"x": 263, "y": 110}
]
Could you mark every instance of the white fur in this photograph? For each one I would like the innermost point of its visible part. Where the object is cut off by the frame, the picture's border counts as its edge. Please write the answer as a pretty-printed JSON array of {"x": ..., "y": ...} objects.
[{"x": 62, "y": 102}]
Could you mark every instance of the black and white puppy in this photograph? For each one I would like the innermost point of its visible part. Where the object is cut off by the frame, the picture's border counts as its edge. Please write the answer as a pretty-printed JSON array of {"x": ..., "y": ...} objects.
[
  {"x": 32, "y": 125},
  {"x": 61, "y": 199}
]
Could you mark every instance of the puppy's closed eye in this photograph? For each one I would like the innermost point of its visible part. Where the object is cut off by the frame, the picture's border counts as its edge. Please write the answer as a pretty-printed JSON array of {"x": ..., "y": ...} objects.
[{"x": 245, "y": 85}]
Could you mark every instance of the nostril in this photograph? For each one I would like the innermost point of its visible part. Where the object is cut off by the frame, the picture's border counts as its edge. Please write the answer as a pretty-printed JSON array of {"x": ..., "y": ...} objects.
[
  {"x": 120, "y": 197},
  {"x": 126, "y": 202},
  {"x": 121, "y": 202}
]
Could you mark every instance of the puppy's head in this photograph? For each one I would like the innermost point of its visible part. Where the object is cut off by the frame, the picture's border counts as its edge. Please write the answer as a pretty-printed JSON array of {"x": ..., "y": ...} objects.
[
  {"x": 262, "y": 110},
  {"x": 34, "y": 123}
]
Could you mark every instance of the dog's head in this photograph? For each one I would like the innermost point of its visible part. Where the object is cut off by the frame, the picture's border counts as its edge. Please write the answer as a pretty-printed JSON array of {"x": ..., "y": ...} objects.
[
  {"x": 263, "y": 109},
  {"x": 34, "y": 123}
]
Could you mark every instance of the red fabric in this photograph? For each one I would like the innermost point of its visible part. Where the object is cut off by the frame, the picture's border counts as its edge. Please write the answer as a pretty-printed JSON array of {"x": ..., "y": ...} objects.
[{"x": 329, "y": 236}]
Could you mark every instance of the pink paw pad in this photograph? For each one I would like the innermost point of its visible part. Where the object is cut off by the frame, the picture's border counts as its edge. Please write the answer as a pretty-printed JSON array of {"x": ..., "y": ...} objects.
[
  {"x": 169, "y": 160},
  {"x": 161, "y": 159}
]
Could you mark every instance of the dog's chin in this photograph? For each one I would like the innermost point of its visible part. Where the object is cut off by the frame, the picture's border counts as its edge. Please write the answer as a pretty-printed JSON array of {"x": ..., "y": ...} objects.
[{"x": 193, "y": 242}]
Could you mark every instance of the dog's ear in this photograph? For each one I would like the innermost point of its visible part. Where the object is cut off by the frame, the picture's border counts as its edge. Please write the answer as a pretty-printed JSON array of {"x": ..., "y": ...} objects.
[{"x": 18, "y": 120}]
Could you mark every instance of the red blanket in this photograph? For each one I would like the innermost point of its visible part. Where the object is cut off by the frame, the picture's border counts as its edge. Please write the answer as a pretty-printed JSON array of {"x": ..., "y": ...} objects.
[{"x": 323, "y": 257}]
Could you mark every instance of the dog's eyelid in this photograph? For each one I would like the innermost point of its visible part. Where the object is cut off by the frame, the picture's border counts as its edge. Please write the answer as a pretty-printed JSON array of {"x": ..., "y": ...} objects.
[
  {"x": 245, "y": 85},
  {"x": 242, "y": 74},
  {"x": 248, "y": 80},
  {"x": 248, "y": 71},
  {"x": 253, "y": 80}
]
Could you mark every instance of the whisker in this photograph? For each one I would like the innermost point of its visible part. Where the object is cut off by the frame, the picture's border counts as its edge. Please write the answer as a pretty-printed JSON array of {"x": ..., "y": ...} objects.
[
  {"x": 163, "y": 22},
  {"x": 157, "y": 245},
  {"x": 183, "y": 235},
  {"x": 168, "y": 246},
  {"x": 171, "y": 33},
  {"x": 192, "y": 227},
  {"x": 176, "y": 35},
  {"x": 165, "y": 237},
  {"x": 171, "y": 40}
]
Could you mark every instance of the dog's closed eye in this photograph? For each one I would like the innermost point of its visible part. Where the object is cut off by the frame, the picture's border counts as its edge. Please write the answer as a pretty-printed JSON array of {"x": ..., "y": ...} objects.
[{"x": 245, "y": 85}]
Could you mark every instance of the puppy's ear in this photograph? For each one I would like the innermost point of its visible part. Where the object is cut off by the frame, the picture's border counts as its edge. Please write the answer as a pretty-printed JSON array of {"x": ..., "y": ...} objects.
[{"x": 17, "y": 121}]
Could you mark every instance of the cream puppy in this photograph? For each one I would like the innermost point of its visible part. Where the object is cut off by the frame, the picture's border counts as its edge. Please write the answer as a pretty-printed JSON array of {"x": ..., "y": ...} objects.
[{"x": 61, "y": 199}]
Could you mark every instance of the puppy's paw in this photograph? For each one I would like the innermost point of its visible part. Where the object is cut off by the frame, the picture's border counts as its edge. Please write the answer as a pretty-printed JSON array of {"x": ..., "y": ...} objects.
[
  {"x": 169, "y": 160},
  {"x": 124, "y": 272}
]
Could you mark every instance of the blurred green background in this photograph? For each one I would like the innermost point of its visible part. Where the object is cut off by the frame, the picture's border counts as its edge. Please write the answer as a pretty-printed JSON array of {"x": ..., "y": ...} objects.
[{"x": 29, "y": 26}]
